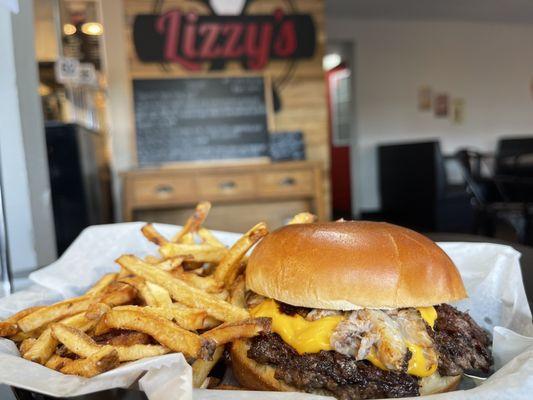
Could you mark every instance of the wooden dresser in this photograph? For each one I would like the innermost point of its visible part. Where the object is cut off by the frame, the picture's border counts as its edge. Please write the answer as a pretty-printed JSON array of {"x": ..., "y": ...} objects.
[{"x": 241, "y": 195}]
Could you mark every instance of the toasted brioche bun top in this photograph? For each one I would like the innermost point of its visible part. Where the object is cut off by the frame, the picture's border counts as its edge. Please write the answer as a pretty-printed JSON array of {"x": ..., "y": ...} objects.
[{"x": 349, "y": 265}]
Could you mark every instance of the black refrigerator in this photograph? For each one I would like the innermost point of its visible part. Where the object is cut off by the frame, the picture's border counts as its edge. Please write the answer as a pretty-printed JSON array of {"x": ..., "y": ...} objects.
[{"x": 79, "y": 180}]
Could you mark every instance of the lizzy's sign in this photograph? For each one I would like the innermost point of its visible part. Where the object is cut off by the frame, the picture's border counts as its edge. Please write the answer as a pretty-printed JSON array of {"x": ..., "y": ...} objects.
[{"x": 191, "y": 40}]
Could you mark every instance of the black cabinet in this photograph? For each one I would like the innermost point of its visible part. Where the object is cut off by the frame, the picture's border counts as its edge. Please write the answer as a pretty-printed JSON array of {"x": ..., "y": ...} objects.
[{"x": 78, "y": 180}]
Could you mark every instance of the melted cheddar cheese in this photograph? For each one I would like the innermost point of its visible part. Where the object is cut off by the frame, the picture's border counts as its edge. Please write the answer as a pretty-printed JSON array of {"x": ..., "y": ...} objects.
[
  {"x": 429, "y": 314},
  {"x": 302, "y": 335},
  {"x": 313, "y": 336},
  {"x": 418, "y": 364}
]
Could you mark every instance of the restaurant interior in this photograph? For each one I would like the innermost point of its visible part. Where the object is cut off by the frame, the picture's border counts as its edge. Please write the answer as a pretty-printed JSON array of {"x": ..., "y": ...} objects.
[{"x": 418, "y": 113}]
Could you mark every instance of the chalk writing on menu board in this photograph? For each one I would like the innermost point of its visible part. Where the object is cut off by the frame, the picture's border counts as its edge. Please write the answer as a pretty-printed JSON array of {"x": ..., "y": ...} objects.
[{"x": 200, "y": 119}]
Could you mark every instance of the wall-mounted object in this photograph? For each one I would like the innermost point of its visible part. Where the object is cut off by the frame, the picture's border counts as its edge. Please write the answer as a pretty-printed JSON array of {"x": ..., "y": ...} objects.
[
  {"x": 441, "y": 105},
  {"x": 458, "y": 110},
  {"x": 193, "y": 119},
  {"x": 424, "y": 98},
  {"x": 286, "y": 146},
  {"x": 192, "y": 39}
]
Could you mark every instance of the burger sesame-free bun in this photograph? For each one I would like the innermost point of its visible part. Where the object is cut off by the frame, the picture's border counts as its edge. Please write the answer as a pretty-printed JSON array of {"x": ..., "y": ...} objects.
[
  {"x": 252, "y": 375},
  {"x": 349, "y": 265}
]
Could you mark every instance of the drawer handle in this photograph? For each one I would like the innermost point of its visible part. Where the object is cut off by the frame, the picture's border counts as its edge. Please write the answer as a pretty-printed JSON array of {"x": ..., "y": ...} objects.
[
  {"x": 164, "y": 190},
  {"x": 227, "y": 185},
  {"x": 288, "y": 181}
]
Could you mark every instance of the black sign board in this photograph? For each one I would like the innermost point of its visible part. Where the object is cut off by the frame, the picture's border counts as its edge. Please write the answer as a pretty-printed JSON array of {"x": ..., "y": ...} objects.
[
  {"x": 194, "y": 119},
  {"x": 287, "y": 146},
  {"x": 190, "y": 39}
]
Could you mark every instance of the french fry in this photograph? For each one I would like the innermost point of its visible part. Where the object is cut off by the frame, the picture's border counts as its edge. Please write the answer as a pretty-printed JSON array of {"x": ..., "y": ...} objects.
[
  {"x": 204, "y": 270},
  {"x": 158, "y": 311},
  {"x": 144, "y": 293},
  {"x": 182, "y": 292},
  {"x": 164, "y": 331},
  {"x": 26, "y": 345},
  {"x": 210, "y": 323},
  {"x": 302, "y": 218},
  {"x": 153, "y": 260},
  {"x": 84, "y": 346},
  {"x": 45, "y": 315},
  {"x": 97, "y": 311},
  {"x": 207, "y": 237},
  {"x": 153, "y": 235},
  {"x": 119, "y": 294},
  {"x": 123, "y": 338},
  {"x": 116, "y": 294},
  {"x": 43, "y": 348},
  {"x": 232, "y": 331},
  {"x": 188, "y": 238},
  {"x": 102, "y": 284},
  {"x": 161, "y": 296},
  {"x": 207, "y": 283},
  {"x": 193, "y": 252},
  {"x": 188, "y": 318},
  {"x": 9, "y": 327},
  {"x": 21, "y": 336},
  {"x": 101, "y": 328},
  {"x": 202, "y": 368},
  {"x": 169, "y": 264},
  {"x": 75, "y": 340},
  {"x": 194, "y": 221},
  {"x": 138, "y": 351},
  {"x": 228, "y": 269},
  {"x": 237, "y": 292},
  {"x": 105, "y": 359},
  {"x": 124, "y": 273},
  {"x": 57, "y": 362}
]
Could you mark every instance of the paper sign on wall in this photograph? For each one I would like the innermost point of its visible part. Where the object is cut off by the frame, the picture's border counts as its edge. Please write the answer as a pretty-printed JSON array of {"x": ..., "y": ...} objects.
[
  {"x": 67, "y": 70},
  {"x": 87, "y": 75}
]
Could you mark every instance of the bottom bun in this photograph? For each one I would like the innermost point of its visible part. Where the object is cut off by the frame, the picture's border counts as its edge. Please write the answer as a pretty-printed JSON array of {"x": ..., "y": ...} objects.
[{"x": 255, "y": 376}]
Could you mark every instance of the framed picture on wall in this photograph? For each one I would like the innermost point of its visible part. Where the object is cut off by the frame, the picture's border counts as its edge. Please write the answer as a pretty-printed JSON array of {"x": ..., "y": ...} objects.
[
  {"x": 441, "y": 106},
  {"x": 424, "y": 98}
]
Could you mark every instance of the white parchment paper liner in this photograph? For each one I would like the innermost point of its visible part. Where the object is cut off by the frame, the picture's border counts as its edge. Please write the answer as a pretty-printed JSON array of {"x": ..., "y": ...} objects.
[{"x": 491, "y": 274}]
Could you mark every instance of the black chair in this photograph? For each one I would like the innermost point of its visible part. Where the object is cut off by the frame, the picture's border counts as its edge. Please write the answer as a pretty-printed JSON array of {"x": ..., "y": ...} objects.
[
  {"x": 415, "y": 192},
  {"x": 491, "y": 200},
  {"x": 514, "y": 168}
]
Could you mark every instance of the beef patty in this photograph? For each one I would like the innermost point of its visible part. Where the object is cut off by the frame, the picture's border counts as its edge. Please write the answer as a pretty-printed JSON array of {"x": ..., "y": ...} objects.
[
  {"x": 461, "y": 345},
  {"x": 333, "y": 372},
  {"x": 460, "y": 342}
]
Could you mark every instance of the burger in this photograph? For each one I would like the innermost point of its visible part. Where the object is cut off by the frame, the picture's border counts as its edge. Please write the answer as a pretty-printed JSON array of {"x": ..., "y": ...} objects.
[{"x": 358, "y": 310}]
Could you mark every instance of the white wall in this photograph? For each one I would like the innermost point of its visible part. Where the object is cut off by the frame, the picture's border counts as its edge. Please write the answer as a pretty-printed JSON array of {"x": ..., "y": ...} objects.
[
  {"x": 23, "y": 160},
  {"x": 489, "y": 65}
]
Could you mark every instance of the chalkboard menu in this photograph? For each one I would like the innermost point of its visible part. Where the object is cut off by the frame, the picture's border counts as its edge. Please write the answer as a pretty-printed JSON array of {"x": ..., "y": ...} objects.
[
  {"x": 200, "y": 119},
  {"x": 287, "y": 146}
]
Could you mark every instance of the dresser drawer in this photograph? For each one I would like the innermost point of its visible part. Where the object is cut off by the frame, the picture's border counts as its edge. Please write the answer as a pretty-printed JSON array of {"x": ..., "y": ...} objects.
[
  {"x": 285, "y": 182},
  {"x": 163, "y": 190},
  {"x": 215, "y": 187}
]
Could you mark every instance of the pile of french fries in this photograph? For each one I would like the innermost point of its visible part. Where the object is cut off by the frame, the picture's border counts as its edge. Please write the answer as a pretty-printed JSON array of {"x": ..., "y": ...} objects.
[{"x": 190, "y": 300}]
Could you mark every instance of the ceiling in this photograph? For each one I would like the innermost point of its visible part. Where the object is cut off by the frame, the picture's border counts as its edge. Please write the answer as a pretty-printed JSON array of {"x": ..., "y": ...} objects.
[{"x": 514, "y": 11}]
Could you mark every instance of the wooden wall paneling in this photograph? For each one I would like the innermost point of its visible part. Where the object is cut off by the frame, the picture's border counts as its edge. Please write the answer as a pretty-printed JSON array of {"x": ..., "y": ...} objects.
[{"x": 303, "y": 98}]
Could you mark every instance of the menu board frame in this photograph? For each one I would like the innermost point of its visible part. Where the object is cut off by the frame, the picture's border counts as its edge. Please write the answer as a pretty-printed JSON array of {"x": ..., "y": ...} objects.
[{"x": 269, "y": 107}]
